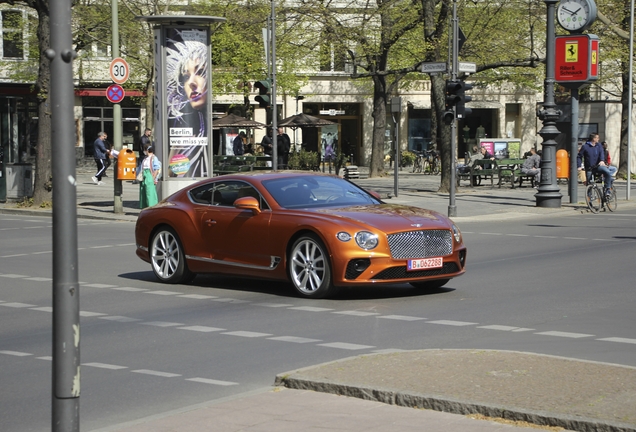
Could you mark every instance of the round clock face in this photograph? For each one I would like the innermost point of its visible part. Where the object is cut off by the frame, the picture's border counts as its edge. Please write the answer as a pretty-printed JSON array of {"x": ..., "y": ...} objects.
[{"x": 576, "y": 15}]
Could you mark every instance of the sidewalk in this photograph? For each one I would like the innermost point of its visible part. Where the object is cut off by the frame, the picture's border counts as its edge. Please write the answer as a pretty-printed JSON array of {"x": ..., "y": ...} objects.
[{"x": 405, "y": 391}]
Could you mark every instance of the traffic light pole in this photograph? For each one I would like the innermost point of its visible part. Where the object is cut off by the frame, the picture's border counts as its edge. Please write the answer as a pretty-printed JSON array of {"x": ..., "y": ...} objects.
[{"x": 452, "y": 208}]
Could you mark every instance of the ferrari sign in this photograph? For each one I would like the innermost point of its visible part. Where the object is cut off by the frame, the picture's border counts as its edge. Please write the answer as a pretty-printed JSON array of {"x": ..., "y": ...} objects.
[{"x": 576, "y": 62}]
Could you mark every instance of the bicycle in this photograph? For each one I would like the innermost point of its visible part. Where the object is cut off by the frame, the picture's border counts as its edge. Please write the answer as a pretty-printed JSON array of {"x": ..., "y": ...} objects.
[
  {"x": 434, "y": 162},
  {"x": 596, "y": 200},
  {"x": 418, "y": 164}
]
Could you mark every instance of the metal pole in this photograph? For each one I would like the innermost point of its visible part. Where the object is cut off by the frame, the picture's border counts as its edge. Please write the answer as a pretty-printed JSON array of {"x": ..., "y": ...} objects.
[
  {"x": 274, "y": 114},
  {"x": 629, "y": 101},
  {"x": 118, "y": 206},
  {"x": 549, "y": 195},
  {"x": 452, "y": 208},
  {"x": 66, "y": 331},
  {"x": 574, "y": 144}
]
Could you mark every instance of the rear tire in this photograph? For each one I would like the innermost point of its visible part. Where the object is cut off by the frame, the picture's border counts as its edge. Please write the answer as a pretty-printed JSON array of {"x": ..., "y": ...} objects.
[
  {"x": 309, "y": 267},
  {"x": 168, "y": 257},
  {"x": 593, "y": 198}
]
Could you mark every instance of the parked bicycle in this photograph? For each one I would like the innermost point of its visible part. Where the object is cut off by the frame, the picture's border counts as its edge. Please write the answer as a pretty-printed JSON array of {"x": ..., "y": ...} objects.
[
  {"x": 596, "y": 200},
  {"x": 418, "y": 164},
  {"x": 427, "y": 162}
]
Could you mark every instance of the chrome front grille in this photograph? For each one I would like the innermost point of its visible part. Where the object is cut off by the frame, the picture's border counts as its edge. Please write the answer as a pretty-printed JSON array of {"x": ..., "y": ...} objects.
[{"x": 421, "y": 244}]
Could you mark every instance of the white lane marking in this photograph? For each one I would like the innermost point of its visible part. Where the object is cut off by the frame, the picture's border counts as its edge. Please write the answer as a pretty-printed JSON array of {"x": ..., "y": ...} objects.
[
  {"x": 273, "y": 305},
  {"x": 401, "y": 317},
  {"x": 294, "y": 339},
  {"x": 544, "y": 236},
  {"x": 491, "y": 234},
  {"x": 452, "y": 323},
  {"x": 15, "y": 353},
  {"x": 131, "y": 289},
  {"x": 519, "y": 235},
  {"x": 39, "y": 279},
  {"x": 347, "y": 346},
  {"x": 564, "y": 334},
  {"x": 523, "y": 329},
  {"x": 91, "y": 314},
  {"x": 40, "y": 253},
  {"x": 247, "y": 334},
  {"x": 618, "y": 339},
  {"x": 118, "y": 318},
  {"x": 161, "y": 324},
  {"x": 229, "y": 300},
  {"x": 125, "y": 244},
  {"x": 211, "y": 381},
  {"x": 49, "y": 358},
  {"x": 355, "y": 313},
  {"x": 105, "y": 366},
  {"x": 96, "y": 285},
  {"x": 17, "y": 305},
  {"x": 43, "y": 309},
  {"x": 310, "y": 309},
  {"x": 13, "y": 276},
  {"x": 609, "y": 240},
  {"x": 575, "y": 238},
  {"x": 498, "y": 327},
  {"x": 163, "y": 293},
  {"x": 201, "y": 328},
  {"x": 12, "y": 256},
  {"x": 101, "y": 247},
  {"x": 156, "y": 373},
  {"x": 197, "y": 296}
]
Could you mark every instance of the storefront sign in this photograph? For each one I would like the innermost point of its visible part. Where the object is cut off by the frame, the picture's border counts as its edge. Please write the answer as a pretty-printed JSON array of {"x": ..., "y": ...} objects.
[{"x": 576, "y": 60}]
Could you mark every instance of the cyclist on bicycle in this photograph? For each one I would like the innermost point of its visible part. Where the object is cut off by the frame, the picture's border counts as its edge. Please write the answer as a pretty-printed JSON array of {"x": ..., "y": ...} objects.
[{"x": 593, "y": 157}]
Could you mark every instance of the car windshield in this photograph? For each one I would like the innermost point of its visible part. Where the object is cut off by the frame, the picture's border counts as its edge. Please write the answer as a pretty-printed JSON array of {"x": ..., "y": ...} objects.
[{"x": 317, "y": 191}]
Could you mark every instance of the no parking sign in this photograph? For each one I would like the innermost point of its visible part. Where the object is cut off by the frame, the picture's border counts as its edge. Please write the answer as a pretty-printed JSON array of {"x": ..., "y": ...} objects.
[{"x": 115, "y": 93}]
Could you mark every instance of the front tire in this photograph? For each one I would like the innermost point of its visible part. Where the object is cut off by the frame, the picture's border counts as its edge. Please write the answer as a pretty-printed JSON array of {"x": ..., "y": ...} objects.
[
  {"x": 593, "y": 198},
  {"x": 612, "y": 201},
  {"x": 168, "y": 257},
  {"x": 309, "y": 267}
]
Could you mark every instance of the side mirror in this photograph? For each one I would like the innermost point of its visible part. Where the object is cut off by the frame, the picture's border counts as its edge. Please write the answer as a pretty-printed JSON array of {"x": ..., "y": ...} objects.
[
  {"x": 375, "y": 194},
  {"x": 248, "y": 203}
]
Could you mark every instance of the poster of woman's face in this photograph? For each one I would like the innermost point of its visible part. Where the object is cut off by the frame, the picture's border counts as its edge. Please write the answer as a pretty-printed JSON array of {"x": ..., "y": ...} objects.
[
  {"x": 187, "y": 66},
  {"x": 329, "y": 142}
]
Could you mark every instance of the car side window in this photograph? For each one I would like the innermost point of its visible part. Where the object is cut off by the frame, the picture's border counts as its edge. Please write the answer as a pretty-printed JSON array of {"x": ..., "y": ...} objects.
[
  {"x": 202, "y": 194},
  {"x": 225, "y": 193}
]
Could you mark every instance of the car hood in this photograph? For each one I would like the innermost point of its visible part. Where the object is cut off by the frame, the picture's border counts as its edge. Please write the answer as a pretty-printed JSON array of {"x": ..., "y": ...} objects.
[{"x": 391, "y": 217}]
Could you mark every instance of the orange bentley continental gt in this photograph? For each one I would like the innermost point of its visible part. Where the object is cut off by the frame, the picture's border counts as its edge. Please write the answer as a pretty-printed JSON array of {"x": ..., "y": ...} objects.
[{"x": 318, "y": 231}]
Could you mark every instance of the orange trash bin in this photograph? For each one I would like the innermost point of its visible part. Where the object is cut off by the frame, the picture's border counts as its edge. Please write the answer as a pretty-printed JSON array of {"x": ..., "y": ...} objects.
[
  {"x": 562, "y": 165},
  {"x": 126, "y": 165}
]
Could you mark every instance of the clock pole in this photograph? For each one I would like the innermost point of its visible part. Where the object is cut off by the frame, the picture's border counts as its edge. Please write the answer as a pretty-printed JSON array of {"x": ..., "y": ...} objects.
[{"x": 549, "y": 195}]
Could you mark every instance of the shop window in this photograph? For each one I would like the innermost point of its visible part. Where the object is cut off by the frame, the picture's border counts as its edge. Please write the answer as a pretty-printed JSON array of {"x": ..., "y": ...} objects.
[{"x": 12, "y": 34}]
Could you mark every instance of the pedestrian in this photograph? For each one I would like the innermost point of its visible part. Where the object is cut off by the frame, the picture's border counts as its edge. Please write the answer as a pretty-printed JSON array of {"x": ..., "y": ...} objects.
[
  {"x": 283, "y": 146},
  {"x": 266, "y": 143},
  {"x": 532, "y": 166},
  {"x": 238, "y": 146},
  {"x": 147, "y": 188},
  {"x": 100, "y": 154},
  {"x": 144, "y": 142},
  {"x": 608, "y": 159}
]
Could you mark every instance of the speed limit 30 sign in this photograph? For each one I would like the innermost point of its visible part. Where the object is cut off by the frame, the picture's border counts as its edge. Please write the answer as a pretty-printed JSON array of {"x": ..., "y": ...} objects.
[{"x": 119, "y": 70}]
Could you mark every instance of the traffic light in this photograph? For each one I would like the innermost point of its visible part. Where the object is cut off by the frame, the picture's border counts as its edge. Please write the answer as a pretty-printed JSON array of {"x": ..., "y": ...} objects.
[
  {"x": 452, "y": 98},
  {"x": 264, "y": 93},
  {"x": 462, "y": 111}
]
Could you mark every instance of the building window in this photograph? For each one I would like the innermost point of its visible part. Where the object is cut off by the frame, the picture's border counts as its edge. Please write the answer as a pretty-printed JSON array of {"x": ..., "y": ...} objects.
[
  {"x": 333, "y": 57},
  {"x": 12, "y": 34}
]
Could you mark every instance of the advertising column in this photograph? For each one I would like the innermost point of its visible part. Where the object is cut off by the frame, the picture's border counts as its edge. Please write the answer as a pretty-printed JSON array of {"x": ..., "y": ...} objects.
[{"x": 183, "y": 99}]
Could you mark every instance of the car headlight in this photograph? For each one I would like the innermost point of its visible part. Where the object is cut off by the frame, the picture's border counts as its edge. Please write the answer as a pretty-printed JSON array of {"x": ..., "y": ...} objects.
[
  {"x": 457, "y": 233},
  {"x": 366, "y": 240},
  {"x": 343, "y": 236}
]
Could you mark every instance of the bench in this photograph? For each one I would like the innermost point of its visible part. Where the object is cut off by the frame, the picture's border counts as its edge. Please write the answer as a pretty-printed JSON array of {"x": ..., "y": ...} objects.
[
  {"x": 510, "y": 170},
  {"x": 351, "y": 172},
  {"x": 483, "y": 169}
]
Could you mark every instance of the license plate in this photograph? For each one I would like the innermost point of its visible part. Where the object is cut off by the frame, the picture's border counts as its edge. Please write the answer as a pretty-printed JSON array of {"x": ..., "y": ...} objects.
[{"x": 424, "y": 263}]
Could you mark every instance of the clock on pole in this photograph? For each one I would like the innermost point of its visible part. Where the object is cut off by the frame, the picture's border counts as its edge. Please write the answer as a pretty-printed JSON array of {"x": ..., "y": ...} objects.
[{"x": 576, "y": 15}]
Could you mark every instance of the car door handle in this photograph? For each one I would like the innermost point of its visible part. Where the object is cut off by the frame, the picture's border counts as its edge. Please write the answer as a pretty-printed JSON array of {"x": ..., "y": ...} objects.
[{"x": 210, "y": 221}]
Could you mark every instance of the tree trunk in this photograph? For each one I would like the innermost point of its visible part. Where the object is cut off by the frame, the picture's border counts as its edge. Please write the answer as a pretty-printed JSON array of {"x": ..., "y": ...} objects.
[
  {"x": 376, "y": 167},
  {"x": 438, "y": 99},
  {"x": 43, "y": 171},
  {"x": 623, "y": 150}
]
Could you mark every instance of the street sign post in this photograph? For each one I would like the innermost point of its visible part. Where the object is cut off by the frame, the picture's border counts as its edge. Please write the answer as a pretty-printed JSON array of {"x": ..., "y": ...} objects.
[
  {"x": 115, "y": 93},
  {"x": 119, "y": 70},
  {"x": 433, "y": 67}
]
